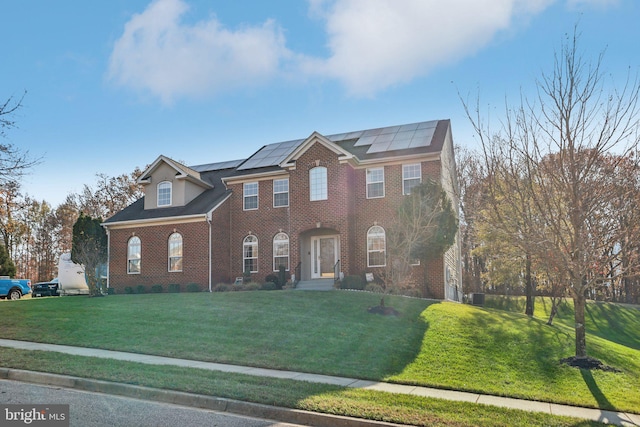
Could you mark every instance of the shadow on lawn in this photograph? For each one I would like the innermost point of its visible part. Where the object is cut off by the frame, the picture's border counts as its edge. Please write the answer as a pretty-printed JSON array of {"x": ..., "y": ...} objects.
[
  {"x": 614, "y": 323},
  {"x": 520, "y": 344},
  {"x": 602, "y": 400},
  {"x": 404, "y": 350}
]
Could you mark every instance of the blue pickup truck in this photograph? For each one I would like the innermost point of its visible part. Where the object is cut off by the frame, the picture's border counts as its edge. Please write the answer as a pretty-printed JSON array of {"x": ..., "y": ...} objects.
[{"x": 14, "y": 288}]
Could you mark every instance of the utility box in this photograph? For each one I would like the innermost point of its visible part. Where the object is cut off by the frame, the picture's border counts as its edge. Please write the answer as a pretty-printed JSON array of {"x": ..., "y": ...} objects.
[{"x": 477, "y": 299}]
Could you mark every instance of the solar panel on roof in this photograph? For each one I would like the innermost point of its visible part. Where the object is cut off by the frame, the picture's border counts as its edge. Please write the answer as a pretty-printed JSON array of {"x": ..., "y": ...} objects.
[
  {"x": 216, "y": 166},
  {"x": 410, "y": 127},
  {"x": 270, "y": 155}
]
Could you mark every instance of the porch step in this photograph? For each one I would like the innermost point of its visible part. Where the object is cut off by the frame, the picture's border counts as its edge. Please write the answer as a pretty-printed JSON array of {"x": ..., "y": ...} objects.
[{"x": 315, "y": 285}]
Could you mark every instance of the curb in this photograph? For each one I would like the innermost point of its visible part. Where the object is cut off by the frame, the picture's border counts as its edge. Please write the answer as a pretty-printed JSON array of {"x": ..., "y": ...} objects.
[{"x": 219, "y": 404}]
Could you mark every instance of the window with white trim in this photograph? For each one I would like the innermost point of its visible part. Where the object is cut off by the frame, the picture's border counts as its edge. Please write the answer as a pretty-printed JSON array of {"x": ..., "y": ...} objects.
[
  {"x": 164, "y": 193},
  {"x": 250, "y": 254},
  {"x": 411, "y": 176},
  {"x": 318, "y": 183},
  {"x": 280, "y": 192},
  {"x": 376, "y": 247},
  {"x": 175, "y": 252},
  {"x": 134, "y": 253},
  {"x": 375, "y": 183},
  {"x": 250, "y": 194},
  {"x": 280, "y": 251}
]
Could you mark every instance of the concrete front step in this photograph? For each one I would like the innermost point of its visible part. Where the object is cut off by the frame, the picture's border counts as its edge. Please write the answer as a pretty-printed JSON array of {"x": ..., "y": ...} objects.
[{"x": 315, "y": 285}]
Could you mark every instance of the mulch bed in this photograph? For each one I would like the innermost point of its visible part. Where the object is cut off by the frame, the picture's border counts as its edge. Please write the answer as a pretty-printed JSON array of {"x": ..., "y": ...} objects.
[{"x": 588, "y": 363}]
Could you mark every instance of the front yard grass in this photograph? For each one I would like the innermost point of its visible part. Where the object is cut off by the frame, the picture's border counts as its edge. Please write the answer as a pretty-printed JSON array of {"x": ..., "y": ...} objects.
[
  {"x": 402, "y": 409},
  {"x": 431, "y": 343}
]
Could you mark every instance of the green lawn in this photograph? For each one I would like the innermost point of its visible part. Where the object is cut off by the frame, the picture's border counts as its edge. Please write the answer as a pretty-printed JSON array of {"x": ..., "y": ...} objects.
[{"x": 446, "y": 345}]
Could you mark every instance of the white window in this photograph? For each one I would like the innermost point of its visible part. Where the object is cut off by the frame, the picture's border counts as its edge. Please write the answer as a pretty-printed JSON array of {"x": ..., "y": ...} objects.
[
  {"x": 318, "y": 183},
  {"x": 411, "y": 176},
  {"x": 376, "y": 247},
  {"x": 250, "y": 192},
  {"x": 280, "y": 192},
  {"x": 175, "y": 252},
  {"x": 375, "y": 183},
  {"x": 164, "y": 193},
  {"x": 133, "y": 255},
  {"x": 281, "y": 251},
  {"x": 250, "y": 254}
]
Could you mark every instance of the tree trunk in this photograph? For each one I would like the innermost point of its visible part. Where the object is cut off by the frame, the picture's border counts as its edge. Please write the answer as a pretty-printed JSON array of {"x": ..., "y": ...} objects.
[
  {"x": 555, "y": 302},
  {"x": 528, "y": 286},
  {"x": 628, "y": 294},
  {"x": 579, "y": 303}
]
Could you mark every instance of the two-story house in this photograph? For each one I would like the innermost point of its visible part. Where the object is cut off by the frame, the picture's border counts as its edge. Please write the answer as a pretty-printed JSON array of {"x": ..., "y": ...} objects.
[{"x": 318, "y": 206}]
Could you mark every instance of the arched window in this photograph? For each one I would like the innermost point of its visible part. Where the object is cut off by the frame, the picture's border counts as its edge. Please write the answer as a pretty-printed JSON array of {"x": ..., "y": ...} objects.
[
  {"x": 280, "y": 251},
  {"x": 318, "y": 183},
  {"x": 164, "y": 193},
  {"x": 376, "y": 247},
  {"x": 133, "y": 255},
  {"x": 250, "y": 254},
  {"x": 175, "y": 252}
]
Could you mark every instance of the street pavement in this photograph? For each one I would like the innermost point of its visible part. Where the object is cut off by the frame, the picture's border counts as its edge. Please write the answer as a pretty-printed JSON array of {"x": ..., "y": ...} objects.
[
  {"x": 87, "y": 409},
  {"x": 610, "y": 417}
]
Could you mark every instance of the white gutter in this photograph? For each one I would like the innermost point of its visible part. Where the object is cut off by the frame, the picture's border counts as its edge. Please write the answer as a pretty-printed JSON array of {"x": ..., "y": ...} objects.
[
  {"x": 210, "y": 253},
  {"x": 156, "y": 221},
  {"x": 108, "y": 256}
]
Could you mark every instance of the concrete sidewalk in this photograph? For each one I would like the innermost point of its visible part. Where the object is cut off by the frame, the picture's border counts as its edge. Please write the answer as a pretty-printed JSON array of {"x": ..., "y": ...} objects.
[{"x": 610, "y": 417}]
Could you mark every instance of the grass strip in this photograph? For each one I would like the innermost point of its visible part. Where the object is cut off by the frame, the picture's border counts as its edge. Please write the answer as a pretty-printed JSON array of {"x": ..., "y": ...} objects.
[
  {"x": 488, "y": 350},
  {"x": 403, "y": 409}
]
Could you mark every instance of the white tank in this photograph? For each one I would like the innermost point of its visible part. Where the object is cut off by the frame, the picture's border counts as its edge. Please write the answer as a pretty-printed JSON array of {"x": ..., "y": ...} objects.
[{"x": 71, "y": 277}]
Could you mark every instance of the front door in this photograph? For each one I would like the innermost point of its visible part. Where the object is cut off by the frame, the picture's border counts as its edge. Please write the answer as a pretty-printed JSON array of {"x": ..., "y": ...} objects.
[{"x": 324, "y": 255}]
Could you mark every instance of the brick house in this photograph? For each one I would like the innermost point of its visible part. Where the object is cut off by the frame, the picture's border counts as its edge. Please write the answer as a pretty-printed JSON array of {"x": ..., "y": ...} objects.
[{"x": 319, "y": 206}]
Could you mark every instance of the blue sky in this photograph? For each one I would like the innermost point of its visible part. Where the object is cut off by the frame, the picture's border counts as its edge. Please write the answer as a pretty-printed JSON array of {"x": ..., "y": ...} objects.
[{"x": 111, "y": 85}]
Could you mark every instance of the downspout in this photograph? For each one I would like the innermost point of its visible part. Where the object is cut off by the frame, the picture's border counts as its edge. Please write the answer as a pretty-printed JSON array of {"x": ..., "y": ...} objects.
[
  {"x": 208, "y": 216},
  {"x": 108, "y": 256}
]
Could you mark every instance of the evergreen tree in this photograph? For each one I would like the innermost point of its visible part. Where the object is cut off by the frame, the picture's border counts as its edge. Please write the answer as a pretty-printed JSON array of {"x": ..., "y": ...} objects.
[
  {"x": 7, "y": 267},
  {"x": 89, "y": 248}
]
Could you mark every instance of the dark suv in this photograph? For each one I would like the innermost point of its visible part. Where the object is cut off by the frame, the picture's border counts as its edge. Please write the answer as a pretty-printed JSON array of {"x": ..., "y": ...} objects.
[{"x": 45, "y": 289}]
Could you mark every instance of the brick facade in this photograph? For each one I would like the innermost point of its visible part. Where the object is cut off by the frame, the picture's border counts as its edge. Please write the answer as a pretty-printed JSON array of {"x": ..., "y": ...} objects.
[
  {"x": 314, "y": 228},
  {"x": 154, "y": 266}
]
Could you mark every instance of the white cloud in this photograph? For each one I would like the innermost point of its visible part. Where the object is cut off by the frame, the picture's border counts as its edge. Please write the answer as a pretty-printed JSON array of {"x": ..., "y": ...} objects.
[
  {"x": 160, "y": 54},
  {"x": 375, "y": 44},
  {"x": 372, "y": 44}
]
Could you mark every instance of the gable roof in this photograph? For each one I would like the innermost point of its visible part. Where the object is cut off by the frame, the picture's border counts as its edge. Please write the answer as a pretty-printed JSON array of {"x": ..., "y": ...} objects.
[
  {"x": 361, "y": 146},
  {"x": 208, "y": 200},
  {"x": 314, "y": 138},
  {"x": 182, "y": 172}
]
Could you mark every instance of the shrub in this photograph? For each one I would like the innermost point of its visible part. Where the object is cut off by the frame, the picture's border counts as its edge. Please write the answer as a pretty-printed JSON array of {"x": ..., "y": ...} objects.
[
  {"x": 374, "y": 287},
  {"x": 111, "y": 291},
  {"x": 352, "y": 282},
  {"x": 222, "y": 287},
  {"x": 174, "y": 288},
  {"x": 193, "y": 287},
  {"x": 282, "y": 276},
  {"x": 251, "y": 287},
  {"x": 128, "y": 290},
  {"x": 141, "y": 289},
  {"x": 272, "y": 278},
  {"x": 156, "y": 289},
  {"x": 268, "y": 286}
]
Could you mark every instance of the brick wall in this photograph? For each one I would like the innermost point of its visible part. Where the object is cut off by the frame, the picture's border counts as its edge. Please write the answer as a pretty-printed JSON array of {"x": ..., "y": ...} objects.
[
  {"x": 347, "y": 212},
  {"x": 154, "y": 256}
]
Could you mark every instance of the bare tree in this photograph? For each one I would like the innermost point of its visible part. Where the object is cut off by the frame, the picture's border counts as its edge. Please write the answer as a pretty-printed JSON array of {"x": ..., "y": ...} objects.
[
  {"x": 472, "y": 184},
  {"x": 14, "y": 162},
  {"x": 560, "y": 139},
  {"x": 110, "y": 194}
]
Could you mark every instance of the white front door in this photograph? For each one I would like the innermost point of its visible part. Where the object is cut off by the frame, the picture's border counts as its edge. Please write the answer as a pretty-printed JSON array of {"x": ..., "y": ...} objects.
[{"x": 324, "y": 255}]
